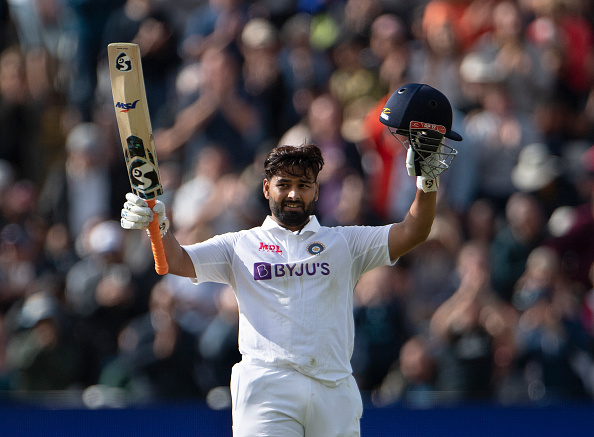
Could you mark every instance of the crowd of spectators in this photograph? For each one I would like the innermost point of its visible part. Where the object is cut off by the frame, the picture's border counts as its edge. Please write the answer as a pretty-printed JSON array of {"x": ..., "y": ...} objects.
[{"x": 497, "y": 305}]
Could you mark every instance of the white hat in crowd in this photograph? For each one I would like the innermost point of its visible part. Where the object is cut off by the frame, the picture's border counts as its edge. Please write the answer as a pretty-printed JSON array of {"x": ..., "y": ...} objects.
[{"x": 536, "y": 168}]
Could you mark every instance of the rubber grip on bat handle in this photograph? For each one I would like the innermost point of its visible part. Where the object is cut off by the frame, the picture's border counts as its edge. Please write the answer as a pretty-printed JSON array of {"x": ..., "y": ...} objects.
[{"x": 161, "y": 266}]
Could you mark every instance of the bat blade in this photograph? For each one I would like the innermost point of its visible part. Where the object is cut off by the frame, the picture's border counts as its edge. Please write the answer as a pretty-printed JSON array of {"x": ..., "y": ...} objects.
[{"x": 136, "y": 134}]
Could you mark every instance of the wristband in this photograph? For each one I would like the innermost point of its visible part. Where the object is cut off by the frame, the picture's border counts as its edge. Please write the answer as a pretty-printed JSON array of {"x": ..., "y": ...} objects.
[{"x": 426, "y": 184}]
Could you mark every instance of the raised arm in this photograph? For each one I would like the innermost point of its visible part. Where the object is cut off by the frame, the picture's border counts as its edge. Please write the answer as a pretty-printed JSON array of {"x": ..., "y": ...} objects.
[
  {"x": 420, "y": 118},
  {"x": 415, "y": 227}
]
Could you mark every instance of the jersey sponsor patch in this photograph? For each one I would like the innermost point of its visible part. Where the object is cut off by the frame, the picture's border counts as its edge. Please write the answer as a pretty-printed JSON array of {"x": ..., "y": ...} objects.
[
  {"x": 274, "y": 248},
  {"x": 265, "y": 271}
]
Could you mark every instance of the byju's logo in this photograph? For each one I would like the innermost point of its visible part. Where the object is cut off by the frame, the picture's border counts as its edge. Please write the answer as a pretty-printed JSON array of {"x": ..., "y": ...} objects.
[
  {"x": 265, "y": 271},
  {"x": 262, "y": 271}
]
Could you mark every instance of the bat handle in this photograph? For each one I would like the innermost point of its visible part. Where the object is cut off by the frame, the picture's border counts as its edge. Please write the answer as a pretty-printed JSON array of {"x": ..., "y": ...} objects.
[{"x": 157, "y": 244}]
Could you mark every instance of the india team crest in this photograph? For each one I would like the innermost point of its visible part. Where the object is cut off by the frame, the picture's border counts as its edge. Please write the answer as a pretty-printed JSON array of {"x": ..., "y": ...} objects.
[{"x": 315, "y": 248}]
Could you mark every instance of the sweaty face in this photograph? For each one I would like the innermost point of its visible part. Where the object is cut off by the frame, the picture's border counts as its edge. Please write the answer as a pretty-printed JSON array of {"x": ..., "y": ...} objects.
[{"x": 292, "y": 199}]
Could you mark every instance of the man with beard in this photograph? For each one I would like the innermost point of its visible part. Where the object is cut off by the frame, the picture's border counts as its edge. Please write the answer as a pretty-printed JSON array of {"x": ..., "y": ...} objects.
[{"x": 294, "y": 280}]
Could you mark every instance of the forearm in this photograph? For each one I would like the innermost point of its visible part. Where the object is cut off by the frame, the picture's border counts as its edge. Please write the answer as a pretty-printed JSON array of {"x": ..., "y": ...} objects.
[
  {"x": 415, "y": 227},
  {"x": 179, "y": 261},
  {"x": 421, "y": 214}
]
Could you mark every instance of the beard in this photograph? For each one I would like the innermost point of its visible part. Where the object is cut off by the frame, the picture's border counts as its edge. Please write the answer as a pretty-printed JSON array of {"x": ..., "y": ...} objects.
[{"x": 291, "y": 218}]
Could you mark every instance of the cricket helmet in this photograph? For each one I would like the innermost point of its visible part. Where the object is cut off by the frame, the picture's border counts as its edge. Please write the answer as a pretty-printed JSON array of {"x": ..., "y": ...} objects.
[
  {"x": 423, "y": 115},
  {"x": 421, "y": 103}
]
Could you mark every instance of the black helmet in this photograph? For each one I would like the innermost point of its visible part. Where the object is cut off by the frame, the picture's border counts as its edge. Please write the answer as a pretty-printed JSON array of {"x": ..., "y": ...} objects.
[{"x": 418, "y": 102}]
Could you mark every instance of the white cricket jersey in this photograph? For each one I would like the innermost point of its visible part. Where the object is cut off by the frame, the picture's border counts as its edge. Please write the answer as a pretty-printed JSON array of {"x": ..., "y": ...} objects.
[{"x": 295, "y": 289}]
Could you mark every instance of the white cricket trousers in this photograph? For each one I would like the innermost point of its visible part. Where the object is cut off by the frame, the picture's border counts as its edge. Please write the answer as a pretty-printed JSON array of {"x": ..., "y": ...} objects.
[{"x": 281, "y": 402}]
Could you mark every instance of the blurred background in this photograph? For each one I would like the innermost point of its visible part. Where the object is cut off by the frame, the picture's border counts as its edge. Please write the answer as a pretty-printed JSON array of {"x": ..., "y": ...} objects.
[{"x": 495, "y": 309}]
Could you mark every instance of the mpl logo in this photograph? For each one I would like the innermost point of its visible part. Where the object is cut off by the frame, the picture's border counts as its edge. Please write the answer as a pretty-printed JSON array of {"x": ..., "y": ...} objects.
[
  {"x": 125, "y": 107},
  {"x": 273, "y": 248},
  {"x": 265, "y": 271}
]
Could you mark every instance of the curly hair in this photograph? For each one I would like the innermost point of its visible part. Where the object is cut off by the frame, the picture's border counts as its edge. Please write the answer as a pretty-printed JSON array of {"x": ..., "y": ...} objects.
[{"x": 294, "y": 160}]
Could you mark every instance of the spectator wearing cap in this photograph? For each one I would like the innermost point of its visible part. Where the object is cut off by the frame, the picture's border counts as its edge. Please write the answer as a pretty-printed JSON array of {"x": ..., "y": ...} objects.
[{"x": 542, "y": 174}]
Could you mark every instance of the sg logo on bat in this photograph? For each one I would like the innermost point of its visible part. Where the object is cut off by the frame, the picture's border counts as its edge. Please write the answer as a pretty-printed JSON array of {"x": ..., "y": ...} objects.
[
  {"x": 123, "y": 62},
  {"x": 142, "y": 169},
  {"x": 143, "y": 175}
]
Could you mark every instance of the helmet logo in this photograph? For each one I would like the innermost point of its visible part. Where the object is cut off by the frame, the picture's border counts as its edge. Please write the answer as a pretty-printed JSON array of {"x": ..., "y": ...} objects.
[{"x": 423, "y": 125}]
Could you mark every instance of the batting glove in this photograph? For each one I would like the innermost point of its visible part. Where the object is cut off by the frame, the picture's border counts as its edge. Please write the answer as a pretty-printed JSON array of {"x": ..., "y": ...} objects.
[
  {"x": 425, "y": 164},
  {"x": 427, "y": 180},
  {"x": 136, "y": 214}
]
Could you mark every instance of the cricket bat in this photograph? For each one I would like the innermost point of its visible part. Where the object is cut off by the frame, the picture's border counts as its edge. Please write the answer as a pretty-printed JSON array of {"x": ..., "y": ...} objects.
[{"x": 136, "y": 134}]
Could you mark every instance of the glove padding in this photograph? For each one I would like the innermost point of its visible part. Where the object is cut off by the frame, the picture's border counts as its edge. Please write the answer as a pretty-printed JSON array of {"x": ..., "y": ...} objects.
[
  {"x": 426, "y": 169},
  {"x": 136, "y": 214},
  {"x": 426, "y": 165}
]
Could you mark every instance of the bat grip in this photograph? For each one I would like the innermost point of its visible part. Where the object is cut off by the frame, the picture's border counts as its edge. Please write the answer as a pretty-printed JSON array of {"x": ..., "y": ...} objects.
[{"x": 161, "y": 266}]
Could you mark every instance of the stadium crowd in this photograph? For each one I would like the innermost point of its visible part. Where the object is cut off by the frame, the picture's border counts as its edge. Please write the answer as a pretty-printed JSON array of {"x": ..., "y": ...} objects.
[{"x": 497, "y": 305}]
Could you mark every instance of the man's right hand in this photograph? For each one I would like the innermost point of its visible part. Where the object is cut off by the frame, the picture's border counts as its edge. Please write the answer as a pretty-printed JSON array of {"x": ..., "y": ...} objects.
[{"x": 136, "y": 214}]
